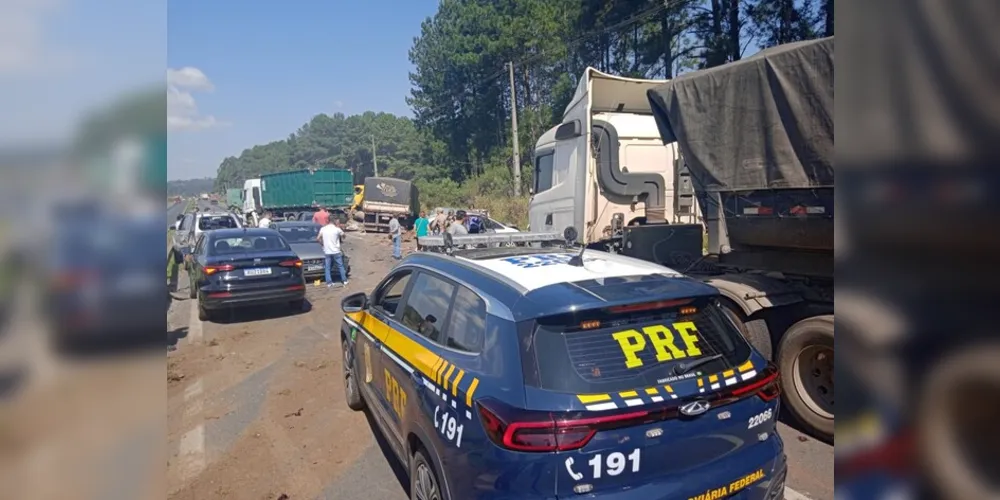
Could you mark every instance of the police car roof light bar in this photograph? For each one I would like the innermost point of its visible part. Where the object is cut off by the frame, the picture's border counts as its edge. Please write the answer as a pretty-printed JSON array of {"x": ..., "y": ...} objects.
[{"x": 448, "y": 241}]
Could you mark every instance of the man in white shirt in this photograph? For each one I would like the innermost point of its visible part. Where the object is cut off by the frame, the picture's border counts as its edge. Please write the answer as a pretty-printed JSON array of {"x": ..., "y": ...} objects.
[
  {"x": 331, "y": 236},
  {"x": 265, "y": 221}
]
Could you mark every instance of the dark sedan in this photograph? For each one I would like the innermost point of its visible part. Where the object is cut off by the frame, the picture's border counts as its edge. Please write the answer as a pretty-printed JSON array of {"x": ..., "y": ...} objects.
[
  {"x": 245, "y": 267},
  {"x": 301, "y": 236}
]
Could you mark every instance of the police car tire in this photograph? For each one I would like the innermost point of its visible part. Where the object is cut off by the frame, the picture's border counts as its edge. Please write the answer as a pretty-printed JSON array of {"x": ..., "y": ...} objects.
[
  {"x": 352, "y": 393},
  {"x": 420, "y": 458},
  {"x": 814, "y": 330}
]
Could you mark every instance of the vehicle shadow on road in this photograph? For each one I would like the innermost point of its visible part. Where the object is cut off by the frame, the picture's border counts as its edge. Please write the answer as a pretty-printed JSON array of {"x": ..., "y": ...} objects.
[
  {"x": 250, "y": 314},
  {"x": 390, "y": 456},
  {"x": 176, "y": 335}
]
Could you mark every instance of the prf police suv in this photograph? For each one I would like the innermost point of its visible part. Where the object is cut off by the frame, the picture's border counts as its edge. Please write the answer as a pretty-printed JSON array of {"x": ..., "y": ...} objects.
[{"x": 546, "y": 371}]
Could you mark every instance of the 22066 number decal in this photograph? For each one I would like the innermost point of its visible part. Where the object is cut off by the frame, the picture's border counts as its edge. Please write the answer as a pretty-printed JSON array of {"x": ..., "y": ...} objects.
[{"x": 760, "y": 418}]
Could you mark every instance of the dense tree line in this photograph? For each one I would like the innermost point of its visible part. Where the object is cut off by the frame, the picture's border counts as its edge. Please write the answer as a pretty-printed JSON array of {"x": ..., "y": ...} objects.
[{"x": 458, "y": 143}]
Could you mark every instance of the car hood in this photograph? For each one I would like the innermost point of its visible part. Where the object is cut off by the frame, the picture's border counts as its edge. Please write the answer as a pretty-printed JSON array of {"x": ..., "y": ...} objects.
[{"x": 308, "y": 250}]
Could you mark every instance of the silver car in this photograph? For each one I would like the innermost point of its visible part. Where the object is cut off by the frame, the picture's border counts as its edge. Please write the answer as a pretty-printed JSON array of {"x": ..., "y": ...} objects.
[
  {"x": 190, "y": 227},
  {"x": 301, "y": 236}
]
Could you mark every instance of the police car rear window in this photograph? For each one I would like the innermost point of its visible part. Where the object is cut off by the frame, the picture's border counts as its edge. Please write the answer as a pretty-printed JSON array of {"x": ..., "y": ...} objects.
[{"x": 629, "y": 348}]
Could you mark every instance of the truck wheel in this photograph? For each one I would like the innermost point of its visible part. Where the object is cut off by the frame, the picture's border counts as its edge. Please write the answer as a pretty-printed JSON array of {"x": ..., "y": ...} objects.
[
  {"x": 755, "y": 331},
  {"x": 805, "y": 359},
  {"x": 956, "y": 413}
]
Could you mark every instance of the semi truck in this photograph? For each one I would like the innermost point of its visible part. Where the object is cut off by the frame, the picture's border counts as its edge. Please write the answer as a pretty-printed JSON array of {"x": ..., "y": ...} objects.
[
  {"x": 387, "y": 197},
  {"x": 297, "y": 191},
  {"x": 725, "y": 174}
]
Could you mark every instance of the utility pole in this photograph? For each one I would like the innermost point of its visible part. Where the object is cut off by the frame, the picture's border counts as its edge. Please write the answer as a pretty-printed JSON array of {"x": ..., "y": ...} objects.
[
  {"x": 374, "y": 158},
  {"x": 513, "y": 129}
]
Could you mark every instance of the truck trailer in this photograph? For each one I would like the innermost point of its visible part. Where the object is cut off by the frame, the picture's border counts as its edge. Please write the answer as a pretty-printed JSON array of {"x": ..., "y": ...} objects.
[
  {"x": 387, "y": 197},
  {"x": 296, "y": 191},
  {"x": 737, "y": 156}
]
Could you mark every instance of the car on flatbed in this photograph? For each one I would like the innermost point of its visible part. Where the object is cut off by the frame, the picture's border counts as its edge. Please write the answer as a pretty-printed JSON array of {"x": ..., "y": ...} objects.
[
  {"x": 548, "y": 371},
  {"x": 233, "y": 268}
]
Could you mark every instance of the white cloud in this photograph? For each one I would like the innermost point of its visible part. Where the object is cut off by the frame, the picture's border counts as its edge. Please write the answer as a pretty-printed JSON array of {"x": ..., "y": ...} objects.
[
  {"x": 339, "y": 104},
  {"x": 182, "y": 110},
  {"x": 24, "y": 47}
]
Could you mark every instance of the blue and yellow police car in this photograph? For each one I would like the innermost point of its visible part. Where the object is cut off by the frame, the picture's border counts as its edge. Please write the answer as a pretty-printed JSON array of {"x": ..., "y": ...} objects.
[{"x": 520, "y": 366}]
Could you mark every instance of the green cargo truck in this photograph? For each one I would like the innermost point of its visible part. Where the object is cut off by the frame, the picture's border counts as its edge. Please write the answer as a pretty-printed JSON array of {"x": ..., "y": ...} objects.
[
  {"x": 306, "y": 189},
  {"x": 234, "y": 198}
]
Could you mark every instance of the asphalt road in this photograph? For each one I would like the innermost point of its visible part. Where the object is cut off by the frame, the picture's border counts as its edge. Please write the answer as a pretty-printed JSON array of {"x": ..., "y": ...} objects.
[{"x": 256, "y": 410}]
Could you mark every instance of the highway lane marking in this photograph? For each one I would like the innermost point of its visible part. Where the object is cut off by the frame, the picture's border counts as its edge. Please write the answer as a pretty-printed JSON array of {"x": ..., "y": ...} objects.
[
  {"x": 193, "y": 400},
  {"x": 791, "y": 494},
  {"x": 192, "y": 453},
  {"x": 194, "y": 335}
]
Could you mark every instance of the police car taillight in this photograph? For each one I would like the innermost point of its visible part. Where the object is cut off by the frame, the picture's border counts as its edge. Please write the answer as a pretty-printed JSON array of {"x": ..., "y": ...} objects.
[
  {"x": 529, "y": 431},
  {"x": 767, "y": 387}
]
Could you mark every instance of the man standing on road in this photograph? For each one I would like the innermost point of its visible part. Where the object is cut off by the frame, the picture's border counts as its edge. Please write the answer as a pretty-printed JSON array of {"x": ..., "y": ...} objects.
[
  {"x": 321, "y": 217},
  {"x": 396, "y": 233},
  {"x": 420, "y": 228},
  {"x": 331, "y": 236},
  {"x": 457, "y": 227},
  {"x": 438, "y": 224},
  {"x": 265, "y": 221}
]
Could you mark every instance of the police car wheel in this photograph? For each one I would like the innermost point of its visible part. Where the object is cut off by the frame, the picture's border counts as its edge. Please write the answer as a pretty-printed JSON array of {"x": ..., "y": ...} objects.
[
  {"x": 351, "y": 392},
  {"x": 423, "y": 479}
]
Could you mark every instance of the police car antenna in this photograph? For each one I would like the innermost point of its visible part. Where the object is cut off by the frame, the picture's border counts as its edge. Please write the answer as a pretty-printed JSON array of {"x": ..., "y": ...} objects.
[{"x": 570, "y": 235}]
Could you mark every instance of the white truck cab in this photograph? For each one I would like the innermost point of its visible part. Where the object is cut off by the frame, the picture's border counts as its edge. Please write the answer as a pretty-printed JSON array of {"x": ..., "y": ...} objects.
[
  {"x": 605, "y": 166},
  {"x": 252, "y": 207}
]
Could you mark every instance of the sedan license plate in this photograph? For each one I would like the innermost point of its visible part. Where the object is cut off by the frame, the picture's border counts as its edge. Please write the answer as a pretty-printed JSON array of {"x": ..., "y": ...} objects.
[
  {"x": 314, "y": 267},
  {"x": 258, "y": 271}
]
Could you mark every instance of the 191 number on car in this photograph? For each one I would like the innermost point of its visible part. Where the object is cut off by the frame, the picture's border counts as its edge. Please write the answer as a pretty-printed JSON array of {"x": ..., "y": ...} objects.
[
  {"x": 760, "y": 418},
  {"x": 612, "y": 464},
  {"x": 448, "y": 426}
]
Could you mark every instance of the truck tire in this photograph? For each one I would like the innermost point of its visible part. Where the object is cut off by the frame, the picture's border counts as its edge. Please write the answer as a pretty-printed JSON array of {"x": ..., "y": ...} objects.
[
  {"x": 805, "y": 359},
  {"x": 950, "y": 429},
  {"x": 755, "y": 331}
]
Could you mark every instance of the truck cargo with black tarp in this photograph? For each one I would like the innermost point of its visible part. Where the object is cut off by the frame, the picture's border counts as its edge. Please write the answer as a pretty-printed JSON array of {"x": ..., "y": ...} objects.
[
  {"x": 757, "y": 138},
  {"x": 387, "y": 197}
]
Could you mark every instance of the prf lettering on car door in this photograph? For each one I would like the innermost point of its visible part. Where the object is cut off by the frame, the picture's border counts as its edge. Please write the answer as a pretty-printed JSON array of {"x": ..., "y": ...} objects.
[
  {"x": 679, "y": 340},
  {"x": 395, "y": 394}
]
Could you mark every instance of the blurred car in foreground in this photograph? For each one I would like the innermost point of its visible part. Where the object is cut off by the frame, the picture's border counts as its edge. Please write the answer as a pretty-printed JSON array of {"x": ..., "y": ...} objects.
[
  {"x": 244, "y": 267},
  {"x": 103, "y": 279},
  {"x": 301, "y": 236}
]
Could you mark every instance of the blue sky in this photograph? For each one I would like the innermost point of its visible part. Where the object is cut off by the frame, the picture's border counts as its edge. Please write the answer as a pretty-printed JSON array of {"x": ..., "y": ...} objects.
[{"x": 271, "y": 66}]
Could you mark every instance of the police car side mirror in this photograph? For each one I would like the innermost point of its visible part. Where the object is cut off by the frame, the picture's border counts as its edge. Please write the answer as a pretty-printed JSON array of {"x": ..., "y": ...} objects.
[{"x": 355, "y": 302}]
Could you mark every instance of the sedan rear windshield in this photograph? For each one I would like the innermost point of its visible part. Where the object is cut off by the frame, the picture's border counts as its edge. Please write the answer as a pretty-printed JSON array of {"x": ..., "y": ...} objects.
[
  {"x": 247, "y": 244},
  {"x": 299, "y": 234},
  {"x": 212, "y": 222},
  {"x": 617, "y": 350}
]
